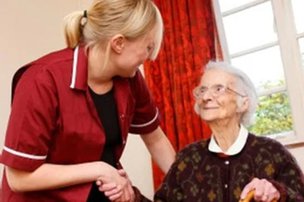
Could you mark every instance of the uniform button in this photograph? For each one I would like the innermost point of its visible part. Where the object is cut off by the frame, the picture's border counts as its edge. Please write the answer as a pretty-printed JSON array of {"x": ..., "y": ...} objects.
[
  {"x": 226, "y": 186},
  {"x": 124, "y": 142},
  {"x": 122, "y": 116},
  {"x": 227, "y": 162}
]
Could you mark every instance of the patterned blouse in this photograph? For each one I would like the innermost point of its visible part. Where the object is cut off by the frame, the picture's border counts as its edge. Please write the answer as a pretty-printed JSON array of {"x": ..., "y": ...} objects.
[{"x": 199, "y": 175}]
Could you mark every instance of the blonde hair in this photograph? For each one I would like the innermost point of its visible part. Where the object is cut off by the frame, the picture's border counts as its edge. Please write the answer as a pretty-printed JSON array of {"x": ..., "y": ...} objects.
[{"x": 106, "y": 18}]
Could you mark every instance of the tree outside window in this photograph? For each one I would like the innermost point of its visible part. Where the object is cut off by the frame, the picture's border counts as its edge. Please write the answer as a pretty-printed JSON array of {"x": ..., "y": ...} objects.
[{"x": 265, "y": 38}]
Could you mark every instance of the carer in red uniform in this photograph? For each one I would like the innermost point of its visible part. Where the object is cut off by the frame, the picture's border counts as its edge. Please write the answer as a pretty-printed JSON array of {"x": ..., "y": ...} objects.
[{"x": 59, "y": 140}]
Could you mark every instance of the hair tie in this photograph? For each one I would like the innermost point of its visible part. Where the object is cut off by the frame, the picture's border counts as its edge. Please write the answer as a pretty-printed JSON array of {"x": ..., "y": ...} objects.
[{"x": 84, "y": 18}]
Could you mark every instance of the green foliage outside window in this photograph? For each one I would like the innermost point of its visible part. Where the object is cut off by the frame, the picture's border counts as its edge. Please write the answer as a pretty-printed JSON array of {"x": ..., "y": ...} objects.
[{"x": 273, "y": 115}]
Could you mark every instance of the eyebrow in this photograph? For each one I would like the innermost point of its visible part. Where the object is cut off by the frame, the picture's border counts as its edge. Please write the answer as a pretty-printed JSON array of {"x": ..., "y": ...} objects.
[{"x": 216, "y": 84}]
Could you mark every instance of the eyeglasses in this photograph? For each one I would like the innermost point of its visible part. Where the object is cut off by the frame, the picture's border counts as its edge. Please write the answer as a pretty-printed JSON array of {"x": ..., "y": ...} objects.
[{"x": 215, "y": 90}]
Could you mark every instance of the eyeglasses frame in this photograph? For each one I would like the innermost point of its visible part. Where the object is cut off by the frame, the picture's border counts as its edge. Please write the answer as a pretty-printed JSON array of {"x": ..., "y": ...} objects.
[{"x": 225, "y": 87}]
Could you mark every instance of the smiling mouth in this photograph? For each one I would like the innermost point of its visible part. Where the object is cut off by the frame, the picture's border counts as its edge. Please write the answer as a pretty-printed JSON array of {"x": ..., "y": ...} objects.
[{"x": 206, "y": 108}]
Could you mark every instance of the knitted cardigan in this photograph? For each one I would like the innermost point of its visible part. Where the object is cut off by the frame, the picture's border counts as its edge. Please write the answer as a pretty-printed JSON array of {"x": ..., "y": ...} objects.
[{"x": 199, "y": 175}]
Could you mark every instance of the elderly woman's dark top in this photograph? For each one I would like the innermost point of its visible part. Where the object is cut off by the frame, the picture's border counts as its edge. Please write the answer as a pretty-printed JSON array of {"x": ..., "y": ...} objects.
[{"x": 199, "y": 175}]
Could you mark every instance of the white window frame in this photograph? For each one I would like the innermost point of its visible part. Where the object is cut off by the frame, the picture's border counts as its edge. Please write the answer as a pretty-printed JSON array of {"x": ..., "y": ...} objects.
[{"x": 291, "y": 60}]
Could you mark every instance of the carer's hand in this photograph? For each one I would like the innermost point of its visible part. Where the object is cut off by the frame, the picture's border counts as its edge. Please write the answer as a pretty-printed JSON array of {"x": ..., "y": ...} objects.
[
  {"x": 264, "y": 190},
  {"x": 129, "y": 188},
  {"x": 117, "y": 187}
]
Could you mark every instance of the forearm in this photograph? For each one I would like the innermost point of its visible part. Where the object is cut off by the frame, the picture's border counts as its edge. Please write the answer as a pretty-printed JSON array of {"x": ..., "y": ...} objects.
[
  {"x": 51, "y": 176},
  {"x": 160, "y": 149},
  {"x": 163, "y": 154}
]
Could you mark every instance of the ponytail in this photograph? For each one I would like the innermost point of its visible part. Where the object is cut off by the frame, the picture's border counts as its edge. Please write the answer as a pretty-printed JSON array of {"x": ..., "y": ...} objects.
[{"x": 73, "y": 28}]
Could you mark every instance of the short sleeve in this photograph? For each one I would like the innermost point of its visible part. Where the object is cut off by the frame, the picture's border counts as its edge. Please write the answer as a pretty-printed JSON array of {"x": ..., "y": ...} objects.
[
  {"x": 146, "y": 114},
  {"x": 32, "y": 120}
]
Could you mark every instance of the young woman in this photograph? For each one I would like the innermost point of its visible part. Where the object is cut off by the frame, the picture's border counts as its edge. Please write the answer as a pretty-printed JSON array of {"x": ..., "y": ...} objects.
[{"x": 73, "y": 109}]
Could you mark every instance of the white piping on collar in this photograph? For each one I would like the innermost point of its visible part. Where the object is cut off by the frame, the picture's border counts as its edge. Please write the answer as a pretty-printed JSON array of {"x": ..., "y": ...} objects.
[
  {"x": 146, "y": 124},
  {"x": 74, "y": 71},
  {"x": 24, "y": 155}
]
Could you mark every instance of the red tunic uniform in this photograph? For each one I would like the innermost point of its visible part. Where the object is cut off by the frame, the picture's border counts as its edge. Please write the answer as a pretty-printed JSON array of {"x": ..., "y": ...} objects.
[{"x": 54, "y": 120}]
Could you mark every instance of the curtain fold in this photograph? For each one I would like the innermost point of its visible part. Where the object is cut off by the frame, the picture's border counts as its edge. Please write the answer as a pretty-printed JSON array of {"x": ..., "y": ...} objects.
[{"x": 189, "y": 43}]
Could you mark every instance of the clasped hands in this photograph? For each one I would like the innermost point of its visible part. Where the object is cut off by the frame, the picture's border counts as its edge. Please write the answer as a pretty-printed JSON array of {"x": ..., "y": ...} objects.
[{"x": 116, "y": 186}]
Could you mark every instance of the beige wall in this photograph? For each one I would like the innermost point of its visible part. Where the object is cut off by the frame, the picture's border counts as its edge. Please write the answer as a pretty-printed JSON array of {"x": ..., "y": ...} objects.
[{"x": 31, "y": 28}]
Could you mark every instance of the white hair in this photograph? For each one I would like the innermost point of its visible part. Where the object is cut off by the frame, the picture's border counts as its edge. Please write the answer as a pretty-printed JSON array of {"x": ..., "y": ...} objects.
[{"x": 243, "y": 83}]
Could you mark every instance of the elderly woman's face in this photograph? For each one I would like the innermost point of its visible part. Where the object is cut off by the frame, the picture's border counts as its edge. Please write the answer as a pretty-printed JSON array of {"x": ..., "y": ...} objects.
[{"x": 217, "y": 97}]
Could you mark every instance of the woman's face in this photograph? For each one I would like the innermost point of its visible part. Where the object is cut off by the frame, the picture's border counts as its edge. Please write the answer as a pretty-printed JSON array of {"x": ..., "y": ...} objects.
[
  {"x": 134, "y": 54},
  {"x": 219, "y": 97}
]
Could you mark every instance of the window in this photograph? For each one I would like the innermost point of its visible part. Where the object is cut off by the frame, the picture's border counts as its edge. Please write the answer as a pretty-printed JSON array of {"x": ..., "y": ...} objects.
[{"x": 265, "y": 38}]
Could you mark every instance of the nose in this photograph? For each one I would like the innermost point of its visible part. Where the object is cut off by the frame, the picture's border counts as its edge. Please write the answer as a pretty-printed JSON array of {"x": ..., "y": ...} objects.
[
  {"x": 206, "y": 96},
  {"x": 203, "y": 100},
  {"x": 149, "y": 57}
]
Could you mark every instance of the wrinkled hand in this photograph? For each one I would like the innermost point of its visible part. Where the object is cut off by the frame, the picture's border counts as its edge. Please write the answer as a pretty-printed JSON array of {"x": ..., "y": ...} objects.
[
  {"x": 117, "y": 187},
  {"x": 264, "y": 190}
]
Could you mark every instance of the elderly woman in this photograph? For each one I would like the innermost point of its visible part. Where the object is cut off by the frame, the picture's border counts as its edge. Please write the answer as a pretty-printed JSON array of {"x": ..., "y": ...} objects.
[{"x": 233, "y": 162}]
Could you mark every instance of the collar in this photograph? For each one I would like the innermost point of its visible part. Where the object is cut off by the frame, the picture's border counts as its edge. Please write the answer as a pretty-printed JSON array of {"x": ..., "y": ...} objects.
[
  {"x": 235, "y": 148},
  {"x": 80, "y": 69}
]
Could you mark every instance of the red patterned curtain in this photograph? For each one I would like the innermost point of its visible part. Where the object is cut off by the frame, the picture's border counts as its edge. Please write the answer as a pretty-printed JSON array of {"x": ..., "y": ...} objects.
[{"x": 189, "y": 42}]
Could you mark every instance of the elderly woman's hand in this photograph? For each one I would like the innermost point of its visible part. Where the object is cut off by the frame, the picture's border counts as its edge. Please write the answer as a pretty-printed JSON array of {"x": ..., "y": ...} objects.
[
  {"x": 264, "y": 190},
  {"x": 118, "y": 188}
]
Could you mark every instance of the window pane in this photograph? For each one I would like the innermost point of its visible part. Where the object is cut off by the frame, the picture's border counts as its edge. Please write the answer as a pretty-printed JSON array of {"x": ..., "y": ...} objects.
[
  {"x": 298, "y": 6},
  {"x": 301, "y": 44},
  {"x": 250, "y": 28},
  {"x": 264, "y": 67},
  {"x": 226, "y": 5},
  {"x": 273, "y": 115}
]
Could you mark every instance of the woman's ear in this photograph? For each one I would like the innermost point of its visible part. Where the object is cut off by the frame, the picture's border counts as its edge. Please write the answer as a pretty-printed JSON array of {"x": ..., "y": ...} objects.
[
  {"x": 243, "y": 104},
  {"x": 118, "y": 43}
]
